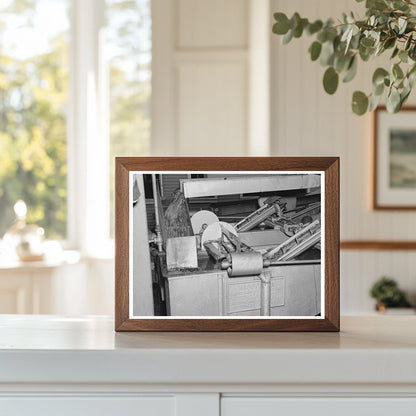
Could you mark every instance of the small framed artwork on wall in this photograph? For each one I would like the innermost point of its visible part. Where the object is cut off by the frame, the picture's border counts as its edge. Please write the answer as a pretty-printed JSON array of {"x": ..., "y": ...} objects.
[
  {"x": 227, "y": 244},
  {"x": 394, "y": 150}
]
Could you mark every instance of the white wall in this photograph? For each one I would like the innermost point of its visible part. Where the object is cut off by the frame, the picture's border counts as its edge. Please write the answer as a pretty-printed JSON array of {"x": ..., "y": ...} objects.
[
  {"x": 308, "y": 122},
  {"x": 200, "y": 77},
  {"x": 86, "y": 288}
]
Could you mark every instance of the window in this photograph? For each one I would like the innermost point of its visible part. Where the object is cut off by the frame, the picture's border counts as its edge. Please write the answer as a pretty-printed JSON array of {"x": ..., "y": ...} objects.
[
  {"x": 75, "y": 87},
  {"x": 33, "y": 102}
]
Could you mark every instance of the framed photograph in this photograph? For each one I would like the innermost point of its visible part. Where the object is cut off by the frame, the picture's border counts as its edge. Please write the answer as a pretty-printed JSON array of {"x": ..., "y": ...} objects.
[
  {"x": 227, "y": 244},
  {"x": 394, "y": 179}
]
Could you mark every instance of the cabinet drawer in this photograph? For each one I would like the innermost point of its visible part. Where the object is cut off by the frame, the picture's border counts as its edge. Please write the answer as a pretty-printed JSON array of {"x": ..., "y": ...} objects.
[
  {"x": 272, "y": 406},
  {"x": 87, "y": 406}
]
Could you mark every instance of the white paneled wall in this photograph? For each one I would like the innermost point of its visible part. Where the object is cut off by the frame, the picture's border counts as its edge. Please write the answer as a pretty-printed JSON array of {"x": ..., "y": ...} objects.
[
  {"x": 212, "y": 24},
  {"x": 200, "y": 75},
  {"x": 212, "y": 104},
  {"x": 305, "y": 121},
  {"x": 211, "y": 68}
]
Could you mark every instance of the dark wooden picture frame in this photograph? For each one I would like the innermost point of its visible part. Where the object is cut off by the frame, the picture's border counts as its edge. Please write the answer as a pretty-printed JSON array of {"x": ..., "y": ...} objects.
[
  {"x": 328, "y": 165},
  {"x": 376, "y": 204}
]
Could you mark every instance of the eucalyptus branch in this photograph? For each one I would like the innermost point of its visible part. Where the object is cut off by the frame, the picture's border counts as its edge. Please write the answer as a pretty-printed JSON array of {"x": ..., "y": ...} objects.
[{"x": 389, "y": 25}]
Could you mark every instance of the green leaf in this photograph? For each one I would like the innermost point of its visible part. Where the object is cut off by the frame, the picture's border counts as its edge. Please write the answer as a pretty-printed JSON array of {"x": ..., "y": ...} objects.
[
  {"x": 395, "y": 52},
  {"x": 332, "y": 33},
  {"x": 341, "y": 62},
  {"x": 327, "y": 53},
  {"x": 412, "y": 52},
  {"x": 298, "y": 30},
  {"x": 374, "y": 101},
  {"x": 348, "y": 35},
  {"x": 337, "y": 42},
  {"x": 376, "y": 4},
  {"x": 393, "y": 101},
  {"x": 322, "y": 36},
  {"x": 394, "y": 26},
  {"x": 359, "y": 103},
  {"x": 403, "y": 56},
  {"x": 379, "y": 75},
  {"x": 315, "y": 50},
  {"x": 367, "y": 42},
  {"x": 382, "y": 19},
  {"x": 288, "y": 37},
  {"x": 351, "y": 71},
  {"x": 404, "y": 96},
  {"x": 350, "y": 18},
  {"x": 412, "y": 70},
  {"x": 400, "y": 5},
  {"x": 367, "y": 48},
  {"x": 330, "y": 80},
  {"x": 314, "y": 27},
  {"x": 389, "y": 43},
  {"x": 366, "y": 53},
  {"x": 402, "y": 24},
  {"x": 411, "y": 75},
  {"x": 378, "y": 89},
  {"x": 294, "y": 20},
  {"x": 281, "y": 27},
  {"x": 355, "y": 41},
  {"x": 397, "y": 71},
  {"x": 408, "y": 42}
]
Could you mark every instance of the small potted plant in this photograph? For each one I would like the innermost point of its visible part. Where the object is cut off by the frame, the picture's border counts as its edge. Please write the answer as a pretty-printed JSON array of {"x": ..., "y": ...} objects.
[{"x": 387, "y": 294}]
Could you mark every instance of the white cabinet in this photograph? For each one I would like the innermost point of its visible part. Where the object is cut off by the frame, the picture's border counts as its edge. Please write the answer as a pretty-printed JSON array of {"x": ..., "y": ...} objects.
[
  {"x": 202, "y": 405},
  {"x": 65, "y": 366},
  {"x": 88, "y": 406},
  {"x": 270, "y": 406}
]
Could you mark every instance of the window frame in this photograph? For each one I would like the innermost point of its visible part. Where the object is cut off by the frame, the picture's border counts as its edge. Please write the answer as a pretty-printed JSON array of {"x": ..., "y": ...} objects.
[{"x": 87, "y": 133}]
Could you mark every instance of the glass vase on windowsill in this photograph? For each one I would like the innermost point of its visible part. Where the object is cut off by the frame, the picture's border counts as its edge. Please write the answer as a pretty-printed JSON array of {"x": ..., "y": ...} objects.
[{"x": 22, "y": 240}]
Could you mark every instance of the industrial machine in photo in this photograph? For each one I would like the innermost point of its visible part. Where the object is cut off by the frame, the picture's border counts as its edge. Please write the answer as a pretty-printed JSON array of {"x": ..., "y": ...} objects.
[{"x": 226, "y": 244}]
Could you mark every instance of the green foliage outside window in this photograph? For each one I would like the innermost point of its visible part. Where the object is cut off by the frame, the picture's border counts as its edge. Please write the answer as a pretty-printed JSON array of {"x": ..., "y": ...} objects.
[
  {"x": 33, "y": 99},
  {"x": 34, "y": 103}
]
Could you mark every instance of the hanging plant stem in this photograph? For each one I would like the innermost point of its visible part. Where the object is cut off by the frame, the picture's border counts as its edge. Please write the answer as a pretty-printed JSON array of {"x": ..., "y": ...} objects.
[{"x": 389, "y": 26}]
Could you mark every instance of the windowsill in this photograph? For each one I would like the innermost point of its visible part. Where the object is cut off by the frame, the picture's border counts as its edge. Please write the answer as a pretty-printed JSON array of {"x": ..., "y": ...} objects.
[
  {"x": 56, "y": 256},
  {"x": 65, "y": 257}
]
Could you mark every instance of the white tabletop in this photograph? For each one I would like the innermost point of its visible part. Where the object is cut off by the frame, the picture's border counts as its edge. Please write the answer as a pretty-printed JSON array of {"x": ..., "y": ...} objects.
[{"x": 376, "y": 349}]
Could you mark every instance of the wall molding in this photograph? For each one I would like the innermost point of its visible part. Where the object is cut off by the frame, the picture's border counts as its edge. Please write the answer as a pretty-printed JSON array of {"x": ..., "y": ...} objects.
[
  {"x": 215, "y": 55},
  {"x": 377, "y": 245}
]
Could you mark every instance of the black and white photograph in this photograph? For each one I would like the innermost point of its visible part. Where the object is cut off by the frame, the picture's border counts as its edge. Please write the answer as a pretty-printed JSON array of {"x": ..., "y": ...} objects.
[{"x": 226, "y": 244}]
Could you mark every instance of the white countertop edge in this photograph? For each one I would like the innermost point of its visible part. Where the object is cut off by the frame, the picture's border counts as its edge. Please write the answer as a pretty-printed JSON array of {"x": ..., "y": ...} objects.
[
  {"x": 208, "y": 366},
  {"x": 51, "y": 349}
]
